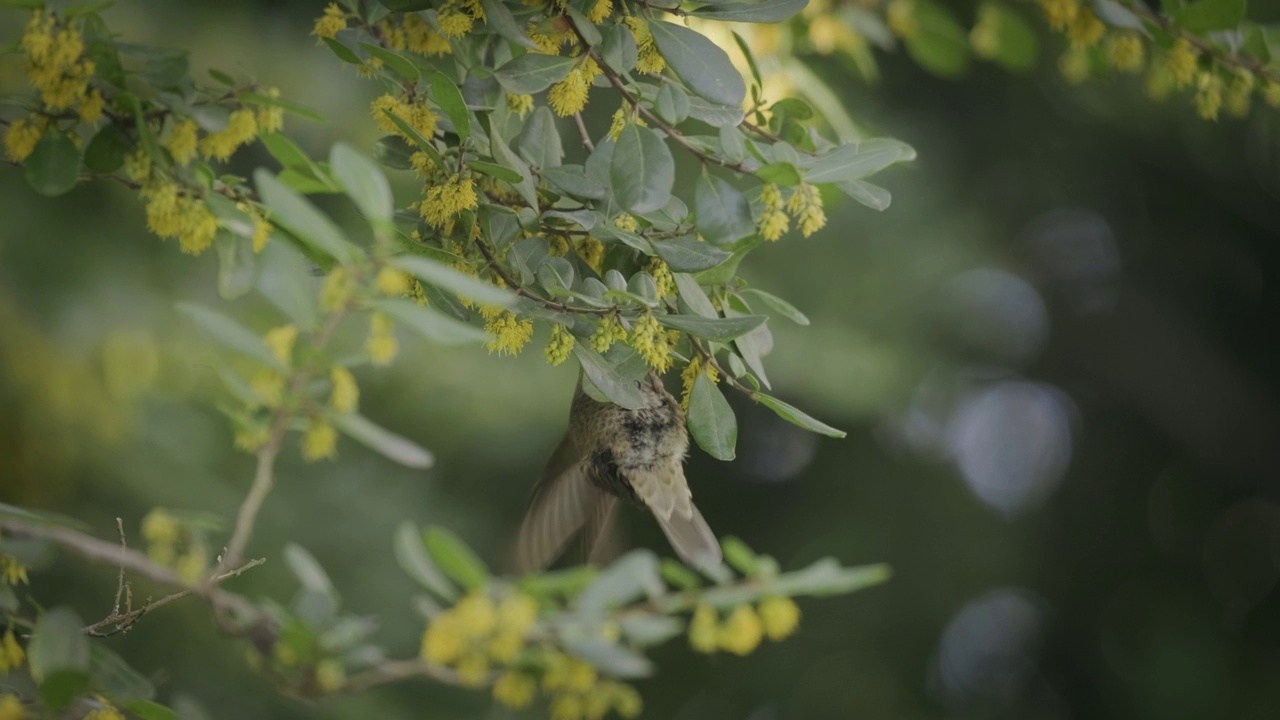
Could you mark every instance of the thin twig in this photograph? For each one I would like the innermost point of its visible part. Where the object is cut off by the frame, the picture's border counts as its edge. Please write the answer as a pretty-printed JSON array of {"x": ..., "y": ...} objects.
[
  {"x": 520, "y": 290},
  {"x": 115, "y": 609},
  {"x": 582, "y": 132},
  {"x": 397, "y": 670},
  {"x": 123, "y": 622}
]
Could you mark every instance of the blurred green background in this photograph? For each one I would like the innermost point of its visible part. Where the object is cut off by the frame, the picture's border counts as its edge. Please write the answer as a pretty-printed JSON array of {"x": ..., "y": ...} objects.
[{"x": 1055, "y": 355}]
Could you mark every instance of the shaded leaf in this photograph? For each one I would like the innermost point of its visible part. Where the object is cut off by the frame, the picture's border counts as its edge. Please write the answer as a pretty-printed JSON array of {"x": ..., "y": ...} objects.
[
  {"x": 229, "y": 333},
  {"x": 453, "y": 556},
  {"x": 792, "y": 414},
  {"x": 411, "y": 555},
  {"x": 711, "y": 421},
  {"x": 379, "y": 439}
]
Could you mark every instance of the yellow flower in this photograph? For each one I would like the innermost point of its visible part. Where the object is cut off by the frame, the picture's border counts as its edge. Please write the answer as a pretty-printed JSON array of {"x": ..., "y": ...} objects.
[
  {"x": 345, "y": 394},
  {"x": 381, "y": 345},
  {"x": 284, "y": 654},
  {"x": 54, "y": 61},
  {"x": 181, "y": 142},
  {"x": 21, "y": 137},
  {"x": 1208, "y": 98},
  {"x": 1271, "y": 93},
  {"x": 591, "y": 251},
  {"x": 662, "y": 278},
  {"x": 395, "y": 35},
  {"x": 900, "y": 15},
  {"x": 624, "y": 221},
  {"x": 241, "y": 127},
  {"x": 476, "y": 614},
  {"x": 422, "y": 163},
  {"x": 1085, "y": 29},
  {"x": 648, "y": 338},
  {"x": 261, "y": 232},
  {"x": 421, "y": 38},
  {"x": 515, "y": 690},
  {"x": 1182, "y": 62},
  {"x": 626, "y": 701},
  {"x": 560, "y": 346},
  {"x": 690, "y": 375},
  {"x": 252, "y": 436},
  {"x": 159, "y": 526},
  {"x": 519, "y": 104},
  {"x": 547, "y": 44},
  {"x": 985, "y": 35},
  {"x": 805, "y": 206},
  {"x": 1060, "y": 13},
  {"x": 320, "y": 441},
  {"x": 607, "y": 333},
  {"x": 191, "y": 565},
  {"x": 330, "y": 676},
  {"x": 91, "y": 107},
  {"x": 649, "y": 60},
  {"x": 570, "y": 94},
  {"x": 601, "y": 10},
  {"x": 280, "y": 342},
  {"x": 444, "y": 640},
  {"x": 828, "y": 33},
  {"x": 11, "y": 708},
  {"x": 704, "y": 635},
  {"x": 618, "y": 122},
  {"x": 11, "y": 654},
  {"x": 393, "y": 282},
  {"x": 741, "y": 632},
  {"x": 270, "y": 117},
  {"x": 566, "y": 707},
  {"x": 445, "y": 201},
  {"x": 773, "y": 221},
  {"x": 454, "y": 23},
  {"x": 329, "y": 24},
  {"x": 1125, "y": 51},
  {"x": 780, "y": 617},
  {"x": 508, "y": 333},
  {"x": 137, "y": 165},
  {"x": 1074, "y": 64},
  {"x": 1240, "y": 93},
  {"x": 337, "y": 290},
  {"x": 12, "y": 571}
]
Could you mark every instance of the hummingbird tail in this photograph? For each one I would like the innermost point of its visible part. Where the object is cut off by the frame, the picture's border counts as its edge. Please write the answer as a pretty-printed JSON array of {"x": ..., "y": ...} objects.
[{"x": 691, "y": 538}]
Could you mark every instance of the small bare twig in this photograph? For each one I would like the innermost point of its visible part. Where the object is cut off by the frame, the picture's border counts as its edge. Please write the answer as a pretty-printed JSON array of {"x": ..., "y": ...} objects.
[
  {"x": 115, "y": 609},
  {"x": 582, "y": 132},
  {"x": 122, "y": 622},
  {"x": 397, "y": 670}
]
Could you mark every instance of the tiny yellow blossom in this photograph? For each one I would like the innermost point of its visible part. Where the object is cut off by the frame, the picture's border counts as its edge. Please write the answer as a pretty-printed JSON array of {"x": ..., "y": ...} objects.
[
  {"x": 547, "y": 44},
  {"x": 337, "y": 289},
  {"x": 828, "y": 33},
  {"x": 11, "y": 708},
  {"x": 618, "y": 122},
  {"x": 1208, "y": 98},
  {"x": 454, "y": 22},
  {"x": 137, "y": 165},
  {"x": 508, "y": 333},
  {"x": 320, "y": 441},
  {"x": 160, "y": 526},
  {"x": 1182, "y": 62},
  {"x": 395, "y": 35},
  {"x": 704, "y": 635},
  {"x": 654, "y": 345},
  {"x": 519, "y": 104},
  {"x": 423, "y": 39},
  {"x": 570, "y": 94},
  {"x": 601, "y": 10},
  {"x": 1125, "y": 51},
  {"x": 445, "y": 201},
  {"x": 591, "y": 250},
  {"x": 690, "y": 374},
  {"x": 261, "y": 232},
  {"x": 91, "y": 107},
  {"x": 1159, "y": 82},
  {"x": 422, "y": 163},
  {"x": 805, "y": 206},
  {"x": 1085, "y": 29},
  {"x": 252, "y": 436},
  {"x": 381, "y": 344},
  {"x": 11, "y": 653},
  {"x": 985, "y": 35},
  {"x": 1239, "y": 93},
  {"x": 55, "y": 62},
  {"x": 608, "y": 332},
  {"x": 900, "y": 16},
  {"x": 780, "y": 617},
  {"x": 662, "y": 278},
  {"x": 394, "y": 282},
  {"x": 1271, "y": 93},
  {"x": 773, "y": 221},
  {"x": 625, "y": 221},
  {"x": 560, "y": 346},
  {"x": 241, "y": 127},
  {"x": 741, "y": 632},
  {"x": 626, "y": 700},
  {"x": 280, "y": 342},
  {"x": 284, "y": 654},
  {"x": 443, "y": 641},
  {"x": 12, "y": 571},
  {"x": 21, "y": 137},
  {"x": 191, "y": 565},
  {"x": 649, "y": 59},
  {"x": 182, "y": 141},
  {"x": 330, "y": 676},
  {"x": 1060, "y": 13},
  {"x": 559, "y": 246},
  {"x": 566, "y": 707},
  {"x": 270, "y": 117},
  {"x": 345, "y": 394},
  {"x": 1074, "y": 64},
  {"x": 515, "y": 690},
  {"x": 476, "y": 614},
  {"x": 331, "y": 23}
]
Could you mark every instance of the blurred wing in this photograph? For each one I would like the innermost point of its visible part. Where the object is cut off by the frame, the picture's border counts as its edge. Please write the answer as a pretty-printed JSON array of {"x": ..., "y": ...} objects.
[
  {"x": 691, "y": 538},
  {"x": 563, "y": 501}
]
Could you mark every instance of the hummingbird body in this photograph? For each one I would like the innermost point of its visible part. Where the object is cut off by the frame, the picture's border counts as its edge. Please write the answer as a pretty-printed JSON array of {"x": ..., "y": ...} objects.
[{"x": 612, "y": 452}]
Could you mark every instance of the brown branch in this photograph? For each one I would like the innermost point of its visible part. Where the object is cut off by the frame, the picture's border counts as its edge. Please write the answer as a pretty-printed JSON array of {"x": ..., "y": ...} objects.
[
  {"x": 397, "y": 670},
  {"x": 582, "y": 132},
  {"x": 122, "y": 622},
  {"x": 523, "y": 292}
]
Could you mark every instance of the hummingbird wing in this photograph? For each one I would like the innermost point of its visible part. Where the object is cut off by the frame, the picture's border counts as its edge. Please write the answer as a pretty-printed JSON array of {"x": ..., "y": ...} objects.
[
  {"x": 666, "y": 493},
  {"x": 563, "y": 502}
]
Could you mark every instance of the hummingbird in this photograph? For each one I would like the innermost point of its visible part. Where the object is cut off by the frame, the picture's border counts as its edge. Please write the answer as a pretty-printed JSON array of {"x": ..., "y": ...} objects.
[{"x": 610, "y": 452}]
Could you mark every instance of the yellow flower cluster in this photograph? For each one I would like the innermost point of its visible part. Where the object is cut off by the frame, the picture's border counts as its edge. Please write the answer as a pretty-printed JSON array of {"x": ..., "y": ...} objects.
[
  {"x": 55, "y": 61},
  {"x": 421, "y": 38},
  {"x": 649, "y": 60},
  {"x": 21, "y": 137},
  {"x": 331, "y": 22},
  {"x": 607, "y": 333},
  {"x": 11, "y": 653},
  {"x": 570, "y": 94},
  {"x": 280, "y": 342},
  {"x": 181, "y": 141},
  {"x": 242, "y": 126},
  {"x": 600, "y": 11},
  {"x": 662, "y": 278},
  {"x": 519, "y": 104},
  {"x": 251, "y": 434},
  {"x": 172, "y": 544},
  {"x": 773, "y": 221},
  {"x": 591, "y": 250},
  {"x": 12, "y": 571},
  {"x": 1240, "y": 93},
  {"x": 1074, "y": 64},
  {"x": 1125, "y": 51},
  {"x": 346, "y": 393},
  {"x": 508, "y": 334},
  {"x": 560, "y": 345},
  {"x": 805, "y": 206},
  {"x": 985, "y": 35},
  {"x": 476, "y": 633},
  {"x": 268, "y": 385},
  {"x": 270, "y": 117},
  {"x": 11, "y": 708},
  {"x": 547, "y": 44},
  {"x": 416, "y": 115},
  {"x": 1208, "y": 98},
  {"x": 391, "y": 281},
  {"x": 900, "y": 15},
  {"x": 578, "y": 692},
  {"x": 445, "y": 201},
  {"x": 690, "y": 374},
  {"x": 1182, "y": 62},
  {"x": 457, "y": 17},
  {"x": 175, "y": 212},
  {"x": 652, "y": 342},
  {"x": 381, "y": 344},
  {"x": 625, "y": 221},
  {"x": 744, "y": 628},
  {"x": 1085, "y": 29},
  {"x": 1060, "y": 13},
  {"x": 320, "y": 441},
  {"x": 330, "y": 676},
  {"x": 106, "y": 711}
]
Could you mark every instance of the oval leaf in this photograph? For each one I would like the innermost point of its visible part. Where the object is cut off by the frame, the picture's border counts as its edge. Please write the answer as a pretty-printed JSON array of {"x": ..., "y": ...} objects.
[
  {"x": 453, "y": 556},
  {"x": 302, "y": 219},
  {"x": 642, "y": 170},
  {"x": 229, "y": 333},
  {"x": 390, "y": 445},
  {"x": 54, "y": 166},
  {"x": 717, "y": 329},
  {"x": 363, "y": 182},
  {"x": 533, "y": 72},
  {"x": 700, "y": 63},
  {"x": 711, "y": 421},
  {"x": 431, "y": 324},
  {"x": 411, "y": 555},
  {"x": 434, "y": 273},
  {"x": 792, "y": 414}
]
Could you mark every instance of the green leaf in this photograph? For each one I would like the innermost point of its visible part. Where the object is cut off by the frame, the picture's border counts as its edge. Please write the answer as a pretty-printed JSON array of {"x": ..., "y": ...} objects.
[
  {"x": 422, "y": 143},
  {"x": 854, "y": 162},
  {"x": 399, "y": 64},
  {"x": 539, "y": 141},
  {"x": 411, "y": 555},
  {"x": 792, "y": 414},
  {"x": 343, "y": 52},
  {"x": 107, "y": 150},
  {"x": 286, "y": 105},
  {"x": 303, "y": 220},
  {"x": 394, "y": 152},
  {"x": 149, "y": 710},
  {"x": 623, "y": 391},
  {"x": 457, "y": 560},
  {"x": 642, "y": 170},
  {"x": 687, "y": 254},
  {"x": 60, "y": 688},
  {"x": 113, "y": 676},
  {"x": 307, "y": 569},
  {"x": 573, "y": 180},
  {"x": 700, "y": 63},
  {"x": 286, "y": 281},
  {"x": 780, "y": 306},
  {"x": 505, "y": 157},
  {"x": 363, "y": 182},
  {"x": 430, "y": 271},
  {"x": 430, "y": 323},
  {"x": 646, "y": 630},
  {"x": 625, "y": 580},
  {"x": 826, "y": 577},
  {"x": 237, "y": 264},
  {"x": 675, "y": 573},
  {"x": 741, "y": 557},
  {"x": 1207, "y": 15},
  {"x": 769, "y": 11},
  {"x": 717, "y": 329},
  {"x": 724, "y": 215},
  {"x": 618, "y": 48},
  {"x": 229, "y": 333},
  {"x": 715, "y": 114},
  {"x": 533, "y": 72},
  {"x": 873, "y": 196},
  {"x": 587, "y": 29},
  {"x": 58, "y": 644},
  {"x": 496, "y": 171},
  {"x": 379, "y": 439},
  {"x": 672, "y": 104},
  {"x": 711, "y": 421},
  {"x": 8, "y": 600},
  {"x": 449, "y": 98},
  {"x": 498, "y": 16},
  {"x": 693, "y": 295},
  {"x": 1018, "y": 45},
  {"x": 782, "y": 173},
  {"x": 939, "y": 43},
  {"x": 53, "y": 168},
  {"x": 613, "y": 660}
]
